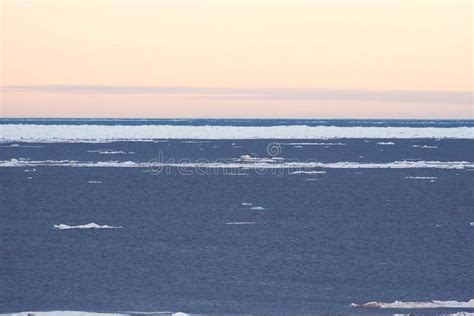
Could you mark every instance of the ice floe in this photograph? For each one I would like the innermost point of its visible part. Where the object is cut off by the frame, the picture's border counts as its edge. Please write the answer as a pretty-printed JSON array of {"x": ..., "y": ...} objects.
[
  {"x": 422, "y": 178},
  {"x": 430, "y": 304},
  {"x": 108, "y": 152},
  {"x": 250, "y": 159},
  {"x": 424, "y": 146},
  {"x": 386, "y": 143},
  {"x": 194, "y": 142},
  {"x": 257, "y": 208},
  {"x": 108, "y": 133},
  {"x": 240, "y": 223},
  {"x": 246, "y": 204},
  {"x": 309, "y": 172},
  {"x": 24, "y": 146},
  {"x": 94, "y": 181},
  {"x": 313, "y": 144},
  {"x": 85, "y": 226}
]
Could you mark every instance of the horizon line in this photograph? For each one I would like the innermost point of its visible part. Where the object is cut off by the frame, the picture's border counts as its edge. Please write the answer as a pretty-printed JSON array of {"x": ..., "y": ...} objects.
[
  {"x": 458, "y": 97},
  {"x": 234, "y": 118}
]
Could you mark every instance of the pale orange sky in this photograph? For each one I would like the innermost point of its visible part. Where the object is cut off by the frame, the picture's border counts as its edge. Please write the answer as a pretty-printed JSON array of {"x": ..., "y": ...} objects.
[{"x": 357, "y": 46}]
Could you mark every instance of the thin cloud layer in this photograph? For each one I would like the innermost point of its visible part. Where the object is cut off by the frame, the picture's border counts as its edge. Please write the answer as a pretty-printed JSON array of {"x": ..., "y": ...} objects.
[{"x": 399, "y": 96}]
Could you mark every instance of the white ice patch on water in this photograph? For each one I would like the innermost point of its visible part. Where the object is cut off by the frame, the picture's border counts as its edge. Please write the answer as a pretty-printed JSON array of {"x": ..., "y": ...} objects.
[
  {"x": 108, "y": 152},
  {"x": 246, "y": 204},
  {"x": 194, "y": 142},
  {"x": 108, "y": 133},
  {"x": 22, "y": 146},
  {"x": 94, "y": 181},
  {"x": 312, "y": 144},
  {"x": 250, "y": 159},
  {"x": 424, "y": 146},
  {"x": 413, "y": 305},
  {"x": 240, "y": 223},
  {"x": 308, "y": 172},
  {"x": 422, "y": 178},
  {"x": 257, "y": 208},
  {"x": 85, "y": 226},
  {"x": 386, "y": 143},
  {"x": 471, "y": 223}
]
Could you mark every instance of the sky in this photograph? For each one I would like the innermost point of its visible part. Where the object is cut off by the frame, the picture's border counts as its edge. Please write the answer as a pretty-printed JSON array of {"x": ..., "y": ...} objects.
[{"x": 237, "y": 59}]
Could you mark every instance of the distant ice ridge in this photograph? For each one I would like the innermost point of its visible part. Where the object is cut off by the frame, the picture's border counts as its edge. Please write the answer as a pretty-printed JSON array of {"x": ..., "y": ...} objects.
[
  {"x": 247, "y": 164},
  {"x": 107, "y": 133},
  {"x": 85, "y": 226},
  {"x": 430, "y": 304}
]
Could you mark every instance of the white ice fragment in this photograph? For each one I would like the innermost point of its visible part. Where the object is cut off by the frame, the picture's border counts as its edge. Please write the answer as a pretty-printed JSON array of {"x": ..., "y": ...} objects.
[
  {"x": 411, "y": 305},
  {"x": 85, "y": 226},
  {"x": 240, "y": 223}
]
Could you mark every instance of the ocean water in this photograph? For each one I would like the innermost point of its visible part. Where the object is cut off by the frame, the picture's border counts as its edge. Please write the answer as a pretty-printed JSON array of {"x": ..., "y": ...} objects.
[{"x": 246, "y": 225}]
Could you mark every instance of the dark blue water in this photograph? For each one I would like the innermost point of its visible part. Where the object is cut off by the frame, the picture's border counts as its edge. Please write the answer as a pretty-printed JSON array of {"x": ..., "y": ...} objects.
[
  {"x": 351, "y": 235},
  {"x": 355, "y": 150}
]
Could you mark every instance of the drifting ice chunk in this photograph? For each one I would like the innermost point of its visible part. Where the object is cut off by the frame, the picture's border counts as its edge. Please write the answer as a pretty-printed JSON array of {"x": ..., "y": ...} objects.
[
  {"x": 85, "y": 226},
  {"x": 431, "y": 304}
]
